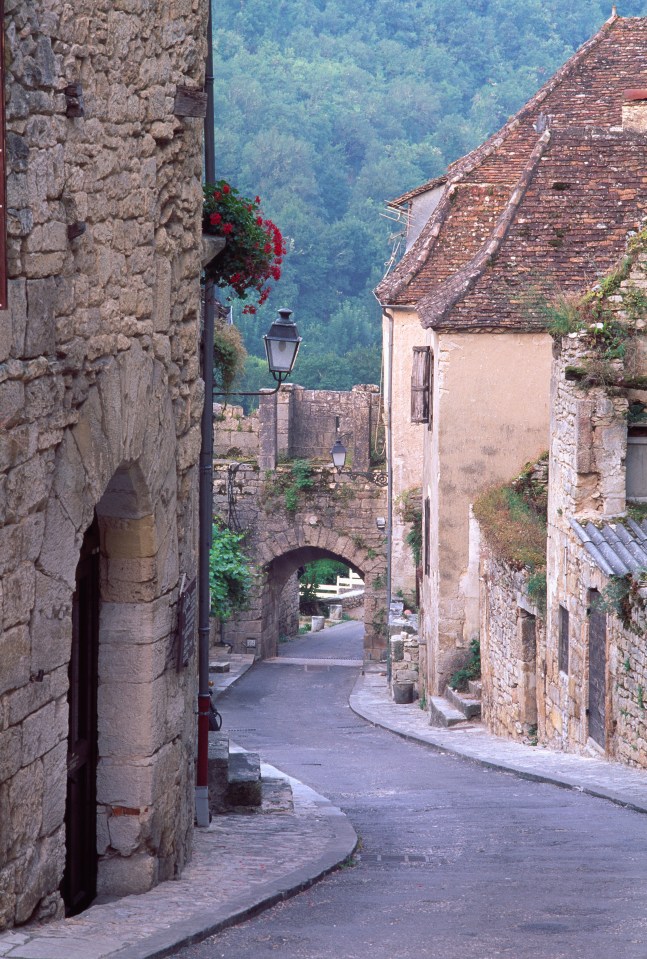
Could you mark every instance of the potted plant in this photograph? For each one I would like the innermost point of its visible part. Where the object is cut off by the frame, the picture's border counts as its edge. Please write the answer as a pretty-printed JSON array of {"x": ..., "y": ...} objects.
[{"x": 255, "y": 247}]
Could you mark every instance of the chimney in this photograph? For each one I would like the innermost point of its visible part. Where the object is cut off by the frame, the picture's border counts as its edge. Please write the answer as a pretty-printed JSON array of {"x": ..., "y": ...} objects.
[{"x": 634, "y": 111}]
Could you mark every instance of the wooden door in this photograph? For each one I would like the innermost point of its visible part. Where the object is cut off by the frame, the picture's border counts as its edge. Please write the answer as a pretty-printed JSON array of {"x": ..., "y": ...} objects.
[
  {"x": 80, "y": 878},
  {"x": 597, "y": 670}
]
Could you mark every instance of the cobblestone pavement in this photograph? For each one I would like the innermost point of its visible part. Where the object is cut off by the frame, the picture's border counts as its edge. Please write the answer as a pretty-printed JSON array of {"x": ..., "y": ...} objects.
[{"x": 243, "y": 863}]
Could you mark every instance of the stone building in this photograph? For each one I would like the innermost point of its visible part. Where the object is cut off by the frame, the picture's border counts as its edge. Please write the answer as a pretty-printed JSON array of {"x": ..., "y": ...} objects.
[
  {"x": 100, "y": 400},
  {"x": 290, "y": 523},
  {"x": 541, "y": 205},
  {"x": 580, "y": 663}
]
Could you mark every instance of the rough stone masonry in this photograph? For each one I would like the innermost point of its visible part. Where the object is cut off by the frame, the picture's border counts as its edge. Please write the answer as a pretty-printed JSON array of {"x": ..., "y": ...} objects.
[{"x": 100, "y": 400}]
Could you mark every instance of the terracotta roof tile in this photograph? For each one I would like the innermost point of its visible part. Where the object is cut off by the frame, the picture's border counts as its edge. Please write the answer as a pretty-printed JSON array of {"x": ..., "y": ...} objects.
[{"x": 458, "y": 257}]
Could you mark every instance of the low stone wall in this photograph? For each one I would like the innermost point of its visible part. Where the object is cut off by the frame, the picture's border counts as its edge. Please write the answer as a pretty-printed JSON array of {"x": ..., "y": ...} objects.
[
  {"x": 236, "y": 435},
  {"x": 510, "y": 625}
]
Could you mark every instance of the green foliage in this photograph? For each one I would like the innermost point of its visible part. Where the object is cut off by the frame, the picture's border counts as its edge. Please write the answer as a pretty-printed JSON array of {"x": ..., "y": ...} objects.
[
  {"x": 301, "y": 473},
  {"x": 230, "y": 578},
  {"x": 328, "y": 108},
  {"x": 314, "y": 575},
  {"x": 229, "y": 356},
  {"x": 622, "y": 597},
  {"x": 409, "y": 506},
  {"x": 471, "y": 669},
  {"x": 536, "y": 587},
  {"x": 513, "y": 526}
]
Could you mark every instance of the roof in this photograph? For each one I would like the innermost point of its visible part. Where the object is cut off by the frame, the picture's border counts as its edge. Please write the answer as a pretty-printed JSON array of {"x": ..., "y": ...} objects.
[
  {"x": 542, "y": 204},
  {"x": 617, "y": 547}
]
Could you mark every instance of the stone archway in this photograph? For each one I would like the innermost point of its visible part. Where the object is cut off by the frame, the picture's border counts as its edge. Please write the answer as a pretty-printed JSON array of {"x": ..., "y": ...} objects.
[
  {"x": 336, "y": 517},
  {"x": 122, "y": 459}
]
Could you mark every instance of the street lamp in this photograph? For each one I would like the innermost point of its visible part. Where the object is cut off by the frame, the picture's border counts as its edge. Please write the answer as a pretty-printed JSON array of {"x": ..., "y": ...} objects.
[
  {"x": 338, "y": 453},
  {"x": 282, "y": 343}
]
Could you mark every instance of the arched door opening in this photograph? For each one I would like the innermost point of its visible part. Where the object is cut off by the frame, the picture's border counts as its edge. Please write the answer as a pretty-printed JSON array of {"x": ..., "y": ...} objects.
[{"x": 80, "y": 877}]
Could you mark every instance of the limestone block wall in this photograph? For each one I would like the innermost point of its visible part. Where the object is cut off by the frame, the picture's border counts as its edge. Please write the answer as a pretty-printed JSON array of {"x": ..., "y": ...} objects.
[
  {"x": 236, "y": 435},
  {"x": 335, "y": 518},
  {"x": 511, "y": 631},
  {"x": 100, "y": 401}
]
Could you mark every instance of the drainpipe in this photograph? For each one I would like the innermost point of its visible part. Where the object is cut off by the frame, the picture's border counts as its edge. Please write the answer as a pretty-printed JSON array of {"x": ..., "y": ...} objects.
[
  {"x": 206, "y": 478},
  {"x": 389, "y": 488}
]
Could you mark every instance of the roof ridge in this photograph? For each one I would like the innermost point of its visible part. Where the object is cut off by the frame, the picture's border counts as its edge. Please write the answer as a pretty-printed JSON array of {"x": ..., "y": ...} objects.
[
  {"x": 435, "y": 305},
  {"x": 463, "y": 166}
]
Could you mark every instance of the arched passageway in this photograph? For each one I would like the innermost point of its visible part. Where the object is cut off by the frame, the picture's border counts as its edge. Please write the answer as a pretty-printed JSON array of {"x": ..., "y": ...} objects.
[{"x": 335, "y": 520}]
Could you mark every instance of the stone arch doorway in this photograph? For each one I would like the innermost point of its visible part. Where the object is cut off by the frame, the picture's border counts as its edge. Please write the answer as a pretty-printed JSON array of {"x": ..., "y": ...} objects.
[{"x": 121, "y": 461}]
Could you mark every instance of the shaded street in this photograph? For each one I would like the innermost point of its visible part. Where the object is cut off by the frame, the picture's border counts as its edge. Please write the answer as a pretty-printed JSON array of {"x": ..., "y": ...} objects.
[{"x": 455, "y": 860}]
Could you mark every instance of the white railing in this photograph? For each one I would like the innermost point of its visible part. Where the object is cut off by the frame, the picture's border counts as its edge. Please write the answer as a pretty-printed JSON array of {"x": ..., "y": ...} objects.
[{"x": 344, "y": 584}]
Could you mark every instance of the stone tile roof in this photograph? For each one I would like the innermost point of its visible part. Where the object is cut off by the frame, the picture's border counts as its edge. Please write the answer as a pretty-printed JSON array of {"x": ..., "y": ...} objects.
[
  {"x": 616, "y": 547},
  {"x": 557, "y": 188}
]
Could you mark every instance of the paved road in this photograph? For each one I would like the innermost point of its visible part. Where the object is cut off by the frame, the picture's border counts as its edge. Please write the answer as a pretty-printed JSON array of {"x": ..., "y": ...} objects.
[{"x": 456, "y": 861}]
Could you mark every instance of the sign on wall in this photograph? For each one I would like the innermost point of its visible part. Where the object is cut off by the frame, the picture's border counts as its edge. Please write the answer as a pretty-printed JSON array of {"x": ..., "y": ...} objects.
[{"x": 187, "y": 623}]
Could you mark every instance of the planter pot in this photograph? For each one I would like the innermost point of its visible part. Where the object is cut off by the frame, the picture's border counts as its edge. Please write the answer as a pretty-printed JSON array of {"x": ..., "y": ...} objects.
[{"x": 402, "y": 693}]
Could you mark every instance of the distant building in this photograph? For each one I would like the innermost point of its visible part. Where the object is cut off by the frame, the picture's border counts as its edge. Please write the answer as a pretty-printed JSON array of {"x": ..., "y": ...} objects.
[
  {"x": 539, "y": 208},
  {"x": 100, "y": 400}
]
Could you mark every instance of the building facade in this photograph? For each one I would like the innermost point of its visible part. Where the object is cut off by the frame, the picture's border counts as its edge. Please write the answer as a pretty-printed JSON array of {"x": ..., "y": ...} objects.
[
  {"x": 100, "y": 401},
  {"x": 535, "y": 208}
]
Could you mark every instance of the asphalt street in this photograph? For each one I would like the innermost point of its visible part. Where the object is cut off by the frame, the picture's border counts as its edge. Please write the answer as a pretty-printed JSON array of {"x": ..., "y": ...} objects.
[{"x": 456, "y": 861}]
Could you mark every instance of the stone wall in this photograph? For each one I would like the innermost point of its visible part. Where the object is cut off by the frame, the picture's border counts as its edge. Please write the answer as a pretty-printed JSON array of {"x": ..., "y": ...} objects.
[
  {"x": 511, "y": 630},
  {"x": 335, "y": 518},
  {"x": 100, "y": 401},
  {"x": 588, "y": 482}
]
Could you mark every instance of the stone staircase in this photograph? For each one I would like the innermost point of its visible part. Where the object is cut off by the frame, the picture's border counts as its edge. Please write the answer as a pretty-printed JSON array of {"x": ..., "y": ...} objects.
[
  {"x": 236, "y": 783},
  {"x": 454, "y": 708}
]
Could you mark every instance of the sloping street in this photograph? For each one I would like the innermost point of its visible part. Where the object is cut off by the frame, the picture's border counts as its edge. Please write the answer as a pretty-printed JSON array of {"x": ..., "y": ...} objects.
[{"x": 455, "y": 860}]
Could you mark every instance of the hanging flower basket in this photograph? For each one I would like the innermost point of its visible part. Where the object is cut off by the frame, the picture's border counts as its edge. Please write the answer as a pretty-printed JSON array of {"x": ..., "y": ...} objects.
[{"x": 255, "y": 248}]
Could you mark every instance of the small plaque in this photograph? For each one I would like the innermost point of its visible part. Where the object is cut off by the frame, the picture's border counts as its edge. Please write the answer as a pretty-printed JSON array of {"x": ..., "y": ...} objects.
[{"x": 187, "y": 623}]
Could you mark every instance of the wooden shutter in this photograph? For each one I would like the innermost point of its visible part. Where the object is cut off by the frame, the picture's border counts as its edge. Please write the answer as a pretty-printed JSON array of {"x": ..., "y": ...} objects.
[
  {"x": 3, "y": 191},
  {"x": 420, "y": 384}
]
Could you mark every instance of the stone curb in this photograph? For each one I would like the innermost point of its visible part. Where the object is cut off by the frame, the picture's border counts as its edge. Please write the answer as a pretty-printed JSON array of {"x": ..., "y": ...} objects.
[
  {"x": 600, "y": 778},
  {"x": 341, "y": 846}
]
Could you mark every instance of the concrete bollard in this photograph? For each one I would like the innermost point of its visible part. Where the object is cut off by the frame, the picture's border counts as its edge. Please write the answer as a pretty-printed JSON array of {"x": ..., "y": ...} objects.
[
  {"x": 317, "y": 624},
  {"x": 334, "y": 613}
]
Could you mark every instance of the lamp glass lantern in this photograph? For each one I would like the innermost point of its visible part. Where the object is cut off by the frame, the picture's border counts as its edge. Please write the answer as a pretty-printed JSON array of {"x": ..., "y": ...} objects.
[
  {"x": 282, "y": 345},
  {"x": 338, "y": 453}
]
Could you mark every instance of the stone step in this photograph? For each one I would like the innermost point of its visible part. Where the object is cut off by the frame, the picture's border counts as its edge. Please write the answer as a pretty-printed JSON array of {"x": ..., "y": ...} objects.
[
  {"x": 441, "y": 713},
  {"x": 244, "y": 788},
  {"x": 475, "y": 687},
  {"x": 465, "y": 704},
  {"x": 218, "y": 772}
]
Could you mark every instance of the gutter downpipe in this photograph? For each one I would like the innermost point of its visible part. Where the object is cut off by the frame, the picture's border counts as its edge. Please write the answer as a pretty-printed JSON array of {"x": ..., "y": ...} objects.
[
  {"x": 389, "y": 488},
  {"x": 206, "y": 476}
]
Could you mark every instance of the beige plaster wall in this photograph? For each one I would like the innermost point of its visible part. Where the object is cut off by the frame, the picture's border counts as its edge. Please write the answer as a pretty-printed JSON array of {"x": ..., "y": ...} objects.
[
  {"x": 407, "y": 441},
  {"x": 490, "y": 416}
]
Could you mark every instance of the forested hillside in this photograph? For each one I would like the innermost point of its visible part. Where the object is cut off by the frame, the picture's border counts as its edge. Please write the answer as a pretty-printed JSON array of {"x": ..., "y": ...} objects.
[{"x": 326, "y": 108}]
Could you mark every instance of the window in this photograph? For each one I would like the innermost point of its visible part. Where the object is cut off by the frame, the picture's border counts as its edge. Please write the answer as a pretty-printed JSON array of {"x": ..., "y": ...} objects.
[
  {"x": 637, "y": 464},
  {"x": 421, "y": 385},
  {"x": 563, "y": 640}
]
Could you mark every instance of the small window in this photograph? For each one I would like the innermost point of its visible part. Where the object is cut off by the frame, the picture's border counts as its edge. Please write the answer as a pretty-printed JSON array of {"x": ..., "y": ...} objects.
[
  {"x": 563, "y": 640},
  {"x": 421, "y": 385},
  {"x": 636, "y": 464}
]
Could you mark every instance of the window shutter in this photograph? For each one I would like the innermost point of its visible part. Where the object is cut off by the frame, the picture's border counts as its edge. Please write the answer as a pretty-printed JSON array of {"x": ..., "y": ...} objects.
[{"x": 420, "y": 384}]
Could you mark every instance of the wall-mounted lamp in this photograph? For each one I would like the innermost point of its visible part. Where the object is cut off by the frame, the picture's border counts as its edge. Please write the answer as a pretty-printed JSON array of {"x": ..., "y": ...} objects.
[
  {"x": 282, "y": 343},
  {"x": 338, "y": 453}
]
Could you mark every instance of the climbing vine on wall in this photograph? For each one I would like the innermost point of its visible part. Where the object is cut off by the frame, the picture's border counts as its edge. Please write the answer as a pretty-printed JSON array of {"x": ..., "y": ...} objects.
[{"x": 230, "y": 578}]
